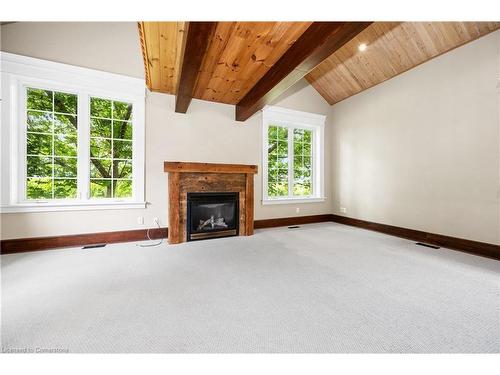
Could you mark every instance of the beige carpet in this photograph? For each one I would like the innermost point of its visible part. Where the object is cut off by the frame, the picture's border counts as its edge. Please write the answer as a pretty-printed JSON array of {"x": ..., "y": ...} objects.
[{"x": 320, "y": 288}]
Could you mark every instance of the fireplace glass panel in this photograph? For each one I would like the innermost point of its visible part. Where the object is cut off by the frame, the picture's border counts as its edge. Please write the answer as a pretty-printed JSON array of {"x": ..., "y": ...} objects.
[{"x": 212, "y": 215}]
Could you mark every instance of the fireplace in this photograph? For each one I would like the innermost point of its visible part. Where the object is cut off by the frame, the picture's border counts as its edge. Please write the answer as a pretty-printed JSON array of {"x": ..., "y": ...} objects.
[
  {"x": 209, "y": 187},
  {"x": 212, "y": 215}
]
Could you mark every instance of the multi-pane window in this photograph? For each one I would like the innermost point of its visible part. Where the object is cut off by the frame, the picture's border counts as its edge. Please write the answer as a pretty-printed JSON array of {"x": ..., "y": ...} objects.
[
  {"x": 72, "y": 137},
  {"x": 293, "y": 155},
  {"x": 51, "y": 144},
  {"x": 110, "y": 148},
  {"x": 302, "y": 162},
  {"x": 289, "y": 162},
  {"x": 277, "y": 161}
]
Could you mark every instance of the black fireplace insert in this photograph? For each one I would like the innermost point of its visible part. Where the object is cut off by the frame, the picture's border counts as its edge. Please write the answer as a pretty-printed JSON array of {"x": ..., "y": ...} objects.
[{"x": 212, "y": 215}]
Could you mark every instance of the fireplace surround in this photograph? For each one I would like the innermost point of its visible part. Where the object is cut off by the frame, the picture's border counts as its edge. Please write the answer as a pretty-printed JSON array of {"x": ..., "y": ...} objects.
[{"x": 202, "y": 180}]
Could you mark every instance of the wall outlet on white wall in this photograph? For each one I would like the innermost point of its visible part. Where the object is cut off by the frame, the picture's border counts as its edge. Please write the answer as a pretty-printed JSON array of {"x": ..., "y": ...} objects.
[
  {"x": 297, "y": 210},
  {"x": 343, "y": 210},
  {"x": 140, "y": 220},
  {"x": 156, "y": 220}
]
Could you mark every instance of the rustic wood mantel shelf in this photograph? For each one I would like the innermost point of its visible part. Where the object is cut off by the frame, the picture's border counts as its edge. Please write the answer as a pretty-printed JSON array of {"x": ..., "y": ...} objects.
[
  {"x": 188, "y": 167},
  {"x": 185, "y": 177}
]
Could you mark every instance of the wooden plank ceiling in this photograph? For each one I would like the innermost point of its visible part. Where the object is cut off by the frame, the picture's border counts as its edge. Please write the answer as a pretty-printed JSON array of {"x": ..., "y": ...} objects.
[
  {"x": 392, "y": 48},
  {"x": 239, "y": 54}
]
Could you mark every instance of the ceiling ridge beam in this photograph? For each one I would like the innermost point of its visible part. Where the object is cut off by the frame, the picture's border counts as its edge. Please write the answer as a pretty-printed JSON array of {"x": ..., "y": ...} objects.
[
  {"x": 198, "y": 37},
  {"x": 316, "y": 44}
]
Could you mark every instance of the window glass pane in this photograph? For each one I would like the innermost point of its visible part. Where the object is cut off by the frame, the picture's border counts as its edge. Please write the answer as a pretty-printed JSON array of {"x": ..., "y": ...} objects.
[
  {"x": 272, "y": 133},
  {"x": 100, "y": 148},
  {"x": 277, "y": 161},
  {"x": 110, "y": 148},
  {"x": 50, "y": 134},
  {"x": 65, "y": 145},
  {"x": 39, "y": 188},
  {"x": 122, "y": 130},
  {"x": 65, "y": 124},
  {"x": 39, "y": 144},
  {"x": 122, "y": 149},
  {"x": 39, "y": 99},
  {"x": 65, "y": 103},
  {"x": 65, "y": 188},
  {"x": 65, "y": 167},
  {"x": 100, "y": 189},
  {"x": 39, "y": 166},
  {"x": 100, "y": 168},
  {"x": 282, "y": 133},
  {"x": 122, "y": 169},
  {"x": 302, "y": 168},
  {"x": 122, "y": 188},
  {"x": 39, "y": 121},
  {"x": 100, "y": 128},
  {"x": 122, "y": 111},
  {"x": 100, "y": 107}
]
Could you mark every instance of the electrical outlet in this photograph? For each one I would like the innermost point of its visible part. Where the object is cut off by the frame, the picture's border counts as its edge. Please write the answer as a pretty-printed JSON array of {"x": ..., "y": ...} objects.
[
  {"x": 343, "y": 210},
  {"x": 297, "y": 210},
  {"x": 140, "y": 220},
  {"x": 156, "y": 220}
]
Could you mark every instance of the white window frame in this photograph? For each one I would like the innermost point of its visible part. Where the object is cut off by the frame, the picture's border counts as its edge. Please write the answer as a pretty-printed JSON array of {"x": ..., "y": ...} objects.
[
  {"x": 292, "y": 119},
  {"x": 18, "y": 73}
]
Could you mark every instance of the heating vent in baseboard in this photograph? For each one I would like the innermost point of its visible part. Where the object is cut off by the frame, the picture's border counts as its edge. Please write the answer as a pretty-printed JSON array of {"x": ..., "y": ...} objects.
[
  {"x": 427, "y": 245},
  {"x": 94, "y": 246},
  {"x": 294, "y": 227}
]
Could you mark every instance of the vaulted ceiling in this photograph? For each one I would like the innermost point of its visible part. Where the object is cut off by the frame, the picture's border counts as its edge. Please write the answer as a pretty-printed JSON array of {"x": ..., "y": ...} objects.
[
  {"x": 391, "y": 48},
  {"x": 250, "y": 63}
]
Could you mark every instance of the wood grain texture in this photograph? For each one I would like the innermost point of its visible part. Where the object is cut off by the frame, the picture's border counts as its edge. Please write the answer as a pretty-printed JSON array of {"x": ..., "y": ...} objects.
[
  {"x": 189, "y": 167},
  {"x": 239, "y": 55},
  {"x": 198, "y": 36},
  {"x": 249, "y": 204},
  {"x": 393, "y": 48},
  {"x": 161, "y": 44},
  {"x": 173, "y": 207},
  {"x": 53, "y": 242},
  {"x": 319, "y": 41},
  {"x": 295, "y": 220},
  {"x": 22, "y": 245},
  {"x": 468, "y": 246}
]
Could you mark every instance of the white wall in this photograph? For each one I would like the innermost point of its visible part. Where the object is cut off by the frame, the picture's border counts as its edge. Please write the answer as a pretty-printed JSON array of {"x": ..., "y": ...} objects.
[
  {"x": 207, "y": 133},
  {"x": 108, "y": 46},
  {"x": 422, "y": 150}
]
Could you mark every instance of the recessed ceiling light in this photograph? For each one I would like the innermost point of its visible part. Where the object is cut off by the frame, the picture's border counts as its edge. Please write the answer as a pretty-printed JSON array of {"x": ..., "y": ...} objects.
[{"x": 362, "y": 47}]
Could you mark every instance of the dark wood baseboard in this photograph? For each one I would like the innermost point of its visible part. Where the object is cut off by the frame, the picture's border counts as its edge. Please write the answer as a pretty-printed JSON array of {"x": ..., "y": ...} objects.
[
  {"x": 44, "y": 243},
  {"x": 21, "y": 245},
  {"x": 468, "y": 246},
  {"x": 287, "y": 221}
]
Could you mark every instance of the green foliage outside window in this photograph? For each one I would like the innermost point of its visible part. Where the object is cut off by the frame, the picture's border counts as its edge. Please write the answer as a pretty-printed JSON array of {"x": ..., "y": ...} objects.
[
  {"x": 51, "y": 141},
  {"x": 51, "y": 144},
  {"x": 110, "y": 148},
  {"x": 278, "y": 152}
]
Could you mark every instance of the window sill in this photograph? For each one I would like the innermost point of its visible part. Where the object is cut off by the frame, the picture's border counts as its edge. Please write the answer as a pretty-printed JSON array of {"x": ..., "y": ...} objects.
[
  {"x": 293, "y": 200},
  {"x": 70, "y": 206}
]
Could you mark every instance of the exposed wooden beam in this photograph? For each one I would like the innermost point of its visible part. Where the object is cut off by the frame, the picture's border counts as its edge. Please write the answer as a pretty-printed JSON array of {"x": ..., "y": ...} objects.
[
  {"x": 318, "y": 42},
  {"x": 198, "y": 36}
]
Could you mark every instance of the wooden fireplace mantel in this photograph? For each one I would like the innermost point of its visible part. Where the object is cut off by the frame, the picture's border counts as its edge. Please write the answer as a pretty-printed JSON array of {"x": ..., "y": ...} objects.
[
  {"x": 178, "y": 166},
  {"x": 184, "y": 177}
]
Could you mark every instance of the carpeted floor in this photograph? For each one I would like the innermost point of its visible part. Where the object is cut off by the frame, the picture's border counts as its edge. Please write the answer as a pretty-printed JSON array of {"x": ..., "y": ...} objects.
[{"x": 320, "y": 288}]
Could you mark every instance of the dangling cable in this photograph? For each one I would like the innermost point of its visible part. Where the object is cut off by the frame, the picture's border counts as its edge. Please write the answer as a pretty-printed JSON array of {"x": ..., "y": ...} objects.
[{"x": 149, "y": 238}]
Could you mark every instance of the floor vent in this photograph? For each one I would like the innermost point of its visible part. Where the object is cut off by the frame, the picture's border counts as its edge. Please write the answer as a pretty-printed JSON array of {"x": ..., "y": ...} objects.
[
  {"x": 94, "y": 246},
  {"x": 427, "y": 245},
  {"x": 294, "y": 227}
]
